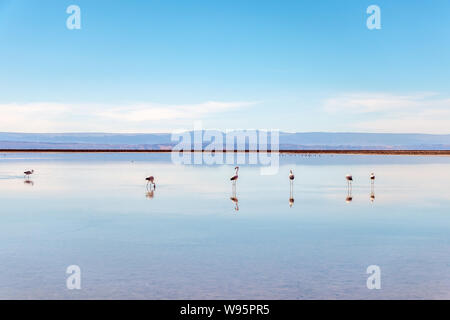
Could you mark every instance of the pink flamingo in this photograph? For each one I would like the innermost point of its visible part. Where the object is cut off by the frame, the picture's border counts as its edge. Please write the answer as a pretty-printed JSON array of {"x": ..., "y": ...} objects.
[
  {"x": 235, "y": 177},
  {"x": 28, "y": 173},
  {"x": 291, "y": 193},
  {"x": 151, "y": 180},
  {"x": 349, "y": 179}
]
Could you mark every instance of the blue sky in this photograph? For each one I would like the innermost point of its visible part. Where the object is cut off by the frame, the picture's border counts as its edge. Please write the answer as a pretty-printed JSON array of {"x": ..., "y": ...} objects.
[{"x": 152, "y": 66}]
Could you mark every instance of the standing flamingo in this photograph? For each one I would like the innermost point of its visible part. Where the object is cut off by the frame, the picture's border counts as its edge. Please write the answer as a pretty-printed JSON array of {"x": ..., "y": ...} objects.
[
  {"x": 291, "y": 175},
  {"x": 291, "y": 193},
  {"x": 235, "y": 177},
  {"x": 233, "y": 189},
  {"x": 349, "y": 179},
  {"x": 151, "y": 181},
  {"x": 28, "y": 173},
  {"x": 372, "y": 187}
]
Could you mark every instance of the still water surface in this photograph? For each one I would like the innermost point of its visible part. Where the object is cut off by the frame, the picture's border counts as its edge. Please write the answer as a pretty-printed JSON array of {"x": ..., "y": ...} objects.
[{"x": 187, "y": 241}]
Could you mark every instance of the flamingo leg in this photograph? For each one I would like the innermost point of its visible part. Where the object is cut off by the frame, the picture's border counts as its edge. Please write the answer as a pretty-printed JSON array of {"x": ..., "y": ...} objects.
[{"x": 291, "y": 188}]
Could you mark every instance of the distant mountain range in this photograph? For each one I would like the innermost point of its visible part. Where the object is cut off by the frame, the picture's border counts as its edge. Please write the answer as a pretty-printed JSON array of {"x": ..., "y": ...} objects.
[{"x": 162, "y": 141}]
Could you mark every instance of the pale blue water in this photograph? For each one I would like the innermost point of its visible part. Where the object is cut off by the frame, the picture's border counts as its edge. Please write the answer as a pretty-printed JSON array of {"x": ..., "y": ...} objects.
[{"x": 188, "y": 242}]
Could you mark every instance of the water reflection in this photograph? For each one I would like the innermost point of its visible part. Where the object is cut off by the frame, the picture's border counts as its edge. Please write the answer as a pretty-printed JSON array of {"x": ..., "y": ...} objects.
[
  {"x": 191, "y": 223},
  {"x": 372, "y": 196},
  {"x": 234, "y": 195},
  {"x": 291, "y": 202},
  {"x": 29, "y": 182},
  {"x": 235, "y": 201}
]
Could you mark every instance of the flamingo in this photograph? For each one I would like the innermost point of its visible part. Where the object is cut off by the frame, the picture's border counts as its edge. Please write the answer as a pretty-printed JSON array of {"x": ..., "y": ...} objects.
[
  {"x": 28, "y": 173},
  {"x": 372, "y": 187},
  {"x": 233, "y": 189},
  {"x": 291, "y": 193},
  {"x": 291, "y": 175},
  {"x": 235, "y": 177},
  {"x": 151, "y": 180},
  {"x": 349, "y": 179}
]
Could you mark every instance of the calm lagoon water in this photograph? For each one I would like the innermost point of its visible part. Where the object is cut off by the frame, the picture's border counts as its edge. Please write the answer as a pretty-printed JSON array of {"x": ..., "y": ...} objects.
[{"x": 189, "y": 242}]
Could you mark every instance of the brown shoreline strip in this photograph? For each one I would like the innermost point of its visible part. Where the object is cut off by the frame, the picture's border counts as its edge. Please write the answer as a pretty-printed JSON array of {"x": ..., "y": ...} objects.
[{"x": 355, "y": 152}]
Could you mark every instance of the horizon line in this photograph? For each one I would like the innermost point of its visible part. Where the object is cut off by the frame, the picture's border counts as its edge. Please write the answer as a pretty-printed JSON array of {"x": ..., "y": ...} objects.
[
  {"x": 415, "y": 152},
  {"x": 224, "y": 131}
]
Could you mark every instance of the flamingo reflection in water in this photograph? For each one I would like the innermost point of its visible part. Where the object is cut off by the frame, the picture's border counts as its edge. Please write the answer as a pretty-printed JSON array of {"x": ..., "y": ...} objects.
[
  {"x": 291, "y": 202},
  {"x": 235, "y": 201}
]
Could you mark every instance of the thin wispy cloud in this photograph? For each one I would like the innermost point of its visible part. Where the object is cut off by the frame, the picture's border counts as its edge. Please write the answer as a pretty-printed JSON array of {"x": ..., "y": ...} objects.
[
  {"x": 157, "y": 112},
  {"x": 385, "y": 112},
  {"x": 133, "y": 117}
]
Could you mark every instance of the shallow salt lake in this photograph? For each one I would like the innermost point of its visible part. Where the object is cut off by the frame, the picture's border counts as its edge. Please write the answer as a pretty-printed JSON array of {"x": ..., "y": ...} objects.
[{"x": 187, "y": 241}]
